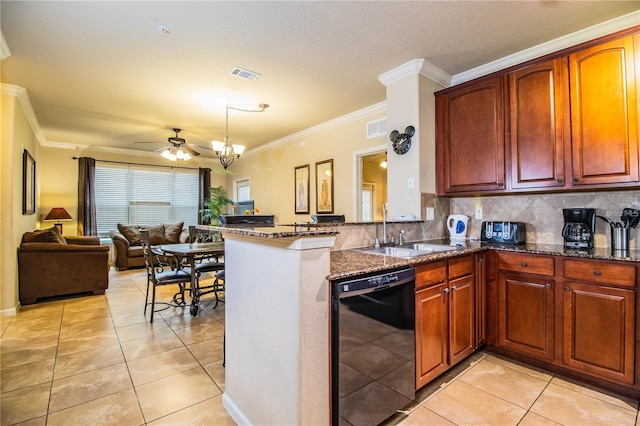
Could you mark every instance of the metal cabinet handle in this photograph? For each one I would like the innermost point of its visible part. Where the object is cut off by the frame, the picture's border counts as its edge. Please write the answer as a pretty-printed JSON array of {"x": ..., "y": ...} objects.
[
  {"x": 446, "y": 291},
  {"x": 453, "y": 288},
  {"x": 500, "y": 183},
  {"x": 576, "y": 179},
  {"x": 566, "y": 288},
  {"x": 523, "y": 264},
  {"x": 548, "y": 285},
  {"x": 560, "y": 181},
  {"x": 596, "y": 272}
]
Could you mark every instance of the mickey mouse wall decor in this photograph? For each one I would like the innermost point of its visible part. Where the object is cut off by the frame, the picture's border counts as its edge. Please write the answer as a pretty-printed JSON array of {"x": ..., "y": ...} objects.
[{"x": 401, "y": 142}]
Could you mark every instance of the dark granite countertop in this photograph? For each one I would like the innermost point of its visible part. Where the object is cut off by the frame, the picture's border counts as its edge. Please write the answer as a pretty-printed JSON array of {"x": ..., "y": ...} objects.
[
  {"x": 349, "y": 263},
  {"x": 276, "y": 231}
]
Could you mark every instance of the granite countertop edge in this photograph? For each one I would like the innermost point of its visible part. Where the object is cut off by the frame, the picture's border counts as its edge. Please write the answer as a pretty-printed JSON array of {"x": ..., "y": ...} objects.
[{"x": 351, "y": 262}]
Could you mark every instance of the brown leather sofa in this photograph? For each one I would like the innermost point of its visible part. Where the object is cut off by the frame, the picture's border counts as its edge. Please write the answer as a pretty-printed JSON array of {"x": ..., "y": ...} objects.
[
  {"x": 128, "y": 248},
  {"x": 52, "y": 265}
]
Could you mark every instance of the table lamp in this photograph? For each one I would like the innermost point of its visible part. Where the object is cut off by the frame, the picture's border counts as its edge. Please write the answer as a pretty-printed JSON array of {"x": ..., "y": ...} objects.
[{"x": 58, "y": 214}]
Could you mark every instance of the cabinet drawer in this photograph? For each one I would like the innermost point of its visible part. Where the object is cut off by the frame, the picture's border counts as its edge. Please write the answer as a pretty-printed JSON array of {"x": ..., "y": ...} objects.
[
  {"x": 529, "y": 263},
  {"x": 600, "y": 272},
  {"x": 431, "y": 273},
  {"x": 461, "y": 266}
]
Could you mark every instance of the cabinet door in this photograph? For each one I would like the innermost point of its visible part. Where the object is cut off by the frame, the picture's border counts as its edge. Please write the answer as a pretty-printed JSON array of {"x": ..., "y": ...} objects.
[
  {"x": 432, "y": 334},
  {"x": 599, "y": 330},
  {"x": 470, "y": 138},
  {"x": 461, "y": 318},
  {"x": 604, "y": 119},
  {"x": 536, "y": 106},
  {"x": 525, "y": 314}
]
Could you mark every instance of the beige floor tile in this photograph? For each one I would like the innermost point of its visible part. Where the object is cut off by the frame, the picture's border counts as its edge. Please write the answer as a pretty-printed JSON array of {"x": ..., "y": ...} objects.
[
  {"x": 24, "y": 404},
  {"x": 37, "y": 328},
  {"x": 97, "y": 339},
  {"x": 422, "y": 416},
  {"x": 120, "y": 408},
  {"x": 81, "y": 316},
  {"x": 208, "y": 351},
  {"x": 161, "y": 342},
  {"x": 533, "y": 419},
  {"x": 161, "y": 365},
  {"x": 25, "y": 375},
  {"x": 23, "y": 350},
  {"x": 126, "y": 308},
  {"x": 143, "y": 329},
  {"x": 88, "y": 360},
  {"x": 131, "y": 318},
  {"x": 215, "y": 370},
  {"x": 569, "y": 407},
  {"x": 85, "y": 303},
  {"x": 38, "y": 421},
  {"x": 171, "y": 394},
  {"x": 4, "y": 323},
  {"x": 52, "y": 308},
  {"x": 514, "y": 365},
  {"x": 178, "y": 320},
  {"x": 85, "y": 328},
  {"x": 464, "y": 404},
  {"x": 505, "y": 383},
  {"x": 603, "y": 395},
  {"x": 205, "y": 413},
  {"x": 200, "y": 332},
  {"x": 88, "y": 386}
]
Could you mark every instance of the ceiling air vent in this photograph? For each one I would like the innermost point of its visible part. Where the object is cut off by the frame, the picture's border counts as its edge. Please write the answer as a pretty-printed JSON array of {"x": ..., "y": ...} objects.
[
  {"x": 377, "y": 128},
  {"x": 243, "y": 73}
]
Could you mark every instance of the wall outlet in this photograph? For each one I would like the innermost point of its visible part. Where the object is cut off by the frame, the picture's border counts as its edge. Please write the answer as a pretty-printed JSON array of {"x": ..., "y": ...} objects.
[
  {"x": 430, "y": 213},
  {"x": 479, "y": 212}
]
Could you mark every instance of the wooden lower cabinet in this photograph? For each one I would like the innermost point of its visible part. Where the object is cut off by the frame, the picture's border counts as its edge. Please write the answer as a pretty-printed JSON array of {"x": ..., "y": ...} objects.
[
  {"x": 576, "y": 314},
  {"x": 526, "y": 314},
  {"x": 445, "y": 316},
  {"x": 599, "y": 330}
]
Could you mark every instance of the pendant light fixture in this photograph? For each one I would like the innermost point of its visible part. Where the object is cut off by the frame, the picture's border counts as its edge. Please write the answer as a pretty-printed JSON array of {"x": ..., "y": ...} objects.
[{"x": 227, "y": 152}]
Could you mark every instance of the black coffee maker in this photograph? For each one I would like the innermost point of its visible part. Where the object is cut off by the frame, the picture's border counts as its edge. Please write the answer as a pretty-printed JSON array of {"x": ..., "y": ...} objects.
[{"x": 579, "y": 228}]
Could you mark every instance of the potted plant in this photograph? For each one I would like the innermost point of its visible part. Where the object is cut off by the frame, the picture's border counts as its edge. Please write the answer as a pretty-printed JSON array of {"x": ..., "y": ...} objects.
[{"x": 217, "y": 201}]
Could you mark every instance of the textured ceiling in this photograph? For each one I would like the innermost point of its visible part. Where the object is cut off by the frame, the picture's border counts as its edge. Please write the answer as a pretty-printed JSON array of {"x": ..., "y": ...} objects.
[{"x": 102, "y": 73}]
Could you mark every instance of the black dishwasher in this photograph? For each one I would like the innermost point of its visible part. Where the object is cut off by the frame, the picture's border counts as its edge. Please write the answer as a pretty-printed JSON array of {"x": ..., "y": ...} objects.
[{"x": 372, "y": 346}]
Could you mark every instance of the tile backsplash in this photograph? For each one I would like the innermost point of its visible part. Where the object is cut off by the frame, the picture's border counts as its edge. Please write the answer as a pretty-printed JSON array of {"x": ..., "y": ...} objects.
[{"x": 542, "y": 213}]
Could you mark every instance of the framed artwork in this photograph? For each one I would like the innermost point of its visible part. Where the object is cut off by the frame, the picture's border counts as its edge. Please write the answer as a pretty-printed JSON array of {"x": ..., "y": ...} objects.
[
  {"x": 301, "y": 189},
  {"x": 324, "y": 186},
  {"x": 28, "y": 183}
]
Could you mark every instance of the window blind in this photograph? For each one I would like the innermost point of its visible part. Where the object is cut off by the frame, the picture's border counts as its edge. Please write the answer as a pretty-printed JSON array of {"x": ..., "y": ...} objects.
[
  {"x": 144, "y": 195},
  {"x": 242, "y": 190}
]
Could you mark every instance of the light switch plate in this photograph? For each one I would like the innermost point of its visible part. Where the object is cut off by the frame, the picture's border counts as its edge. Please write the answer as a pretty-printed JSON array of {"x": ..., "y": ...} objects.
[{"x": 430, "y": 213}]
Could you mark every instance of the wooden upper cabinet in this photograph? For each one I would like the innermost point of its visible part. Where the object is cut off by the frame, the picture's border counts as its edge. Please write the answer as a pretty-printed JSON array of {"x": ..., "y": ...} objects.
[
  {"x": 604, "y": 118},
  {"x": 470, "y": 138},
  {"x": 536, "y": 114}
]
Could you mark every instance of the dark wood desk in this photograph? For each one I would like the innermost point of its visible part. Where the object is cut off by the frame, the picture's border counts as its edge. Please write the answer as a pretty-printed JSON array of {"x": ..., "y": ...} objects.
[{"x": 193, "y": 252}]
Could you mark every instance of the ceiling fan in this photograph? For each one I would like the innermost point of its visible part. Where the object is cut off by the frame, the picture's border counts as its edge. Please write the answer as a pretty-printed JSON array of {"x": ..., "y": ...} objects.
[{"x": 177, "y": 150}]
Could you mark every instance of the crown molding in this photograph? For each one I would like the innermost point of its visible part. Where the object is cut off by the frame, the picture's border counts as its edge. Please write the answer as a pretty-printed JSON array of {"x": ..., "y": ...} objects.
[
  {"x": 5, "y": 52},
  {"x": 348, "y": 118},
  {"x": 416, "y": 66},
  {"x": 617, "y": 24},
  {"x": 23, "y": 99}
]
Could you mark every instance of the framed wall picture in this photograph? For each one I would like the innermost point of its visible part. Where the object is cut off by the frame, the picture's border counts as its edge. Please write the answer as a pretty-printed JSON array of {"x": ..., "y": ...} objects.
[
  {"x": 324, "y": 186},
  {"x": 28, "y": 183},
  {"x": 301, "y": 189}
]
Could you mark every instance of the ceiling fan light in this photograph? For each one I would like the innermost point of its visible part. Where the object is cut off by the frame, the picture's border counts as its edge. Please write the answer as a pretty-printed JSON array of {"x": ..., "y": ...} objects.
[
  {"x": 186, "y": 156},
  {"x": 179, "y": 154},
  {"x": 168, "y": 155}
]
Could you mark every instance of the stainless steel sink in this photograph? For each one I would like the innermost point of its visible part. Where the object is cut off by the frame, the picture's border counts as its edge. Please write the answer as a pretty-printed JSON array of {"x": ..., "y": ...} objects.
[
  {"x": 403, "y": 252},
  {"x": 432, "y": 247},
  {"x": 410, "y": 250}
]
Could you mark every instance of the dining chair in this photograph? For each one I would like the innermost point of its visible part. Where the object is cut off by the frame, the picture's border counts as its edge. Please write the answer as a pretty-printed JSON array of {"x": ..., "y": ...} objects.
[
  {"x": 207, "y": 264},
  {"x": 163, "y": 269}
]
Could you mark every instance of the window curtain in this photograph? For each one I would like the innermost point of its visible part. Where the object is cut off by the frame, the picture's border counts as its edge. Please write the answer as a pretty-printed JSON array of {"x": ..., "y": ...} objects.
[
  {"x": 87, "y": 224},
  {"x": 204, "y": 184}
]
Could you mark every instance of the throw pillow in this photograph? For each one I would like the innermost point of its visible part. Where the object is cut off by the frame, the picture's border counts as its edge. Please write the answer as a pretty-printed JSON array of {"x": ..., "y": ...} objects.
[
  {"x": 131, "y": 233},
  {"x": 156, "y": 235},
  {"x": 44, "y": 236},
  {"x": 172, "y": 232}
]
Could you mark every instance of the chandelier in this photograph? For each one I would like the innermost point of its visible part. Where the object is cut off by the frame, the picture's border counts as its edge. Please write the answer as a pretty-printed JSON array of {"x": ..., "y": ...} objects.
[{"x": 227, "y": 152}]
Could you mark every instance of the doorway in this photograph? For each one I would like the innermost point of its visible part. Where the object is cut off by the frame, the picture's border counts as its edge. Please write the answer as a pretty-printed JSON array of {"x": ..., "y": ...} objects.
[{"x": 372, "y": 185}]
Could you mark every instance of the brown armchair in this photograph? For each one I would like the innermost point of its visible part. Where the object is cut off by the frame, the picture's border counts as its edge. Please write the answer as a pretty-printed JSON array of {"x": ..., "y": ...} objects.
[{"x": 52, "y": 265}]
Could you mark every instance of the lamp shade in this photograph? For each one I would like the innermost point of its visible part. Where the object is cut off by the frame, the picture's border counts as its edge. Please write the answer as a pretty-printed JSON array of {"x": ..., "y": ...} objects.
[{"x": 58, "y": 213}]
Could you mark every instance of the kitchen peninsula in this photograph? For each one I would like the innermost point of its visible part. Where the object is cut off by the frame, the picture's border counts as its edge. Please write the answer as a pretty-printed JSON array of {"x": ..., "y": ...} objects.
[{"x": 277, "y": 324}]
